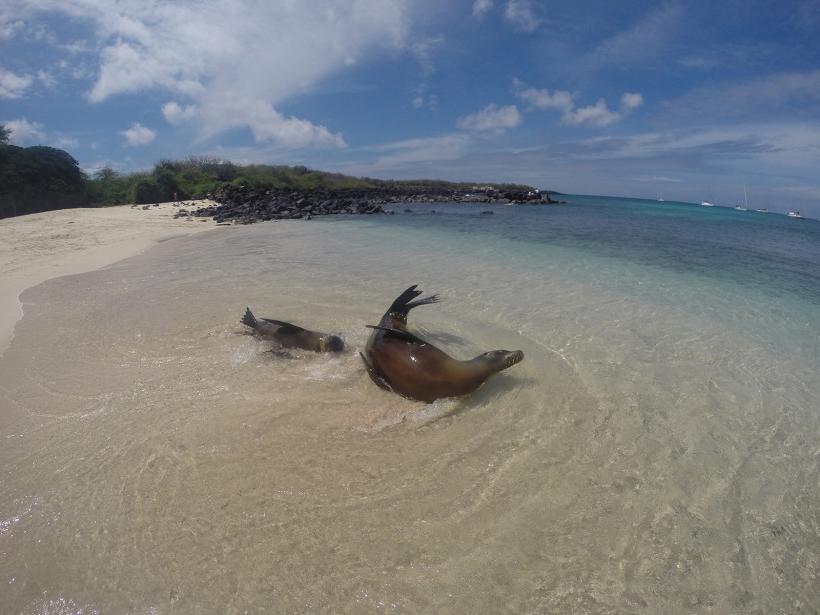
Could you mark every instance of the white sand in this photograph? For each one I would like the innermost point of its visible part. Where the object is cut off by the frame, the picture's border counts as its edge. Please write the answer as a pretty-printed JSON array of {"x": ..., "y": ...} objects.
[{"x": 38, "y": 247}]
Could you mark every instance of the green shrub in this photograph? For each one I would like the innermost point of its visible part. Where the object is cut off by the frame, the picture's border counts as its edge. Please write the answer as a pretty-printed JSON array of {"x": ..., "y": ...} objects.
[{"x": 147, "y": 191}]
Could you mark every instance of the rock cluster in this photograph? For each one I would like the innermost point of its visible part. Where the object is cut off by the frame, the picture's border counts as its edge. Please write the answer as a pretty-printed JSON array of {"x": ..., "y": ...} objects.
[{"x": 247, "y": 205}]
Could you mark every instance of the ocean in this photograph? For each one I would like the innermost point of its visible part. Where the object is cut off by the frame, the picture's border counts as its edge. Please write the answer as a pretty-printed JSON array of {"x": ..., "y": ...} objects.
[{"x": 655, "y": 452}]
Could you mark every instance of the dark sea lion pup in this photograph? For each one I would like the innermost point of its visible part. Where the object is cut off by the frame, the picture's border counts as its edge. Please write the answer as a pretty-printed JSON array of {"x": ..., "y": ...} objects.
[
  {"x": 404, "y": 363},
  {"x": 292, "y": 336}
]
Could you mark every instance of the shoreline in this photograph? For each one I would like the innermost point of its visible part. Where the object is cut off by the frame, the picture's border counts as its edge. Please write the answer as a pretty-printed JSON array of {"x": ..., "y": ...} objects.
[{"x": 38, "y": 247}]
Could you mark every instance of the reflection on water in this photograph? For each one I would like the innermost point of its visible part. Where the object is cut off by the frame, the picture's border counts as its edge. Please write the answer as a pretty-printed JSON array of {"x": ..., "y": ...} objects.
[{"x": 647, "y": 456}]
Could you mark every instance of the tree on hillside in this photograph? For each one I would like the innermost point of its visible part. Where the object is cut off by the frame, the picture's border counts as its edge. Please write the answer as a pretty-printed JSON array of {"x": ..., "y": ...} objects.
[
  {"x": 5, "y": 135},
  {"x": 39, "y": 178},
  {"x": 106, "y": 174},
  {"x": 109, "y": 187}
]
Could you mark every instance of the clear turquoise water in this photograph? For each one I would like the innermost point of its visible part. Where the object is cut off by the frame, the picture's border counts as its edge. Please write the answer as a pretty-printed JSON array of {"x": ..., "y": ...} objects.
[
  {"x": 769, "y": 252},
  {"x": 655, "y": 452}
]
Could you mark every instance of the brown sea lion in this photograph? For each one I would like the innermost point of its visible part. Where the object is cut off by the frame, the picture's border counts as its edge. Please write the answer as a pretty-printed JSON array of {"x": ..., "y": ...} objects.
[
  {"x": 404, "y": 363},
  {"x": 292, "y": 336}
]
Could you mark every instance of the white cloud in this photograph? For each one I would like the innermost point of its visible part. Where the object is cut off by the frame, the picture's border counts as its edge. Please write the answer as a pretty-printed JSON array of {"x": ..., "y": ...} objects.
[
  {"x": 175, "y": 114},
  {"x": 24, "y": 132},
  {"x": 415, "y": 151},
  {"x": 9, "y": 28},
  {"x": 522, "y": 15},
  {"x": 654, "y": 179},
  {"x": 480, "y": 7},
  {"x": 423, "y": 50},
  {"x": 544, "y": 99},
  {"x": 794, "y": 146},
  {"x": 260, "y": 51},
  {"x": 265, "y": 123},
  {"x": 491, "y": 118},
  {"x": 776, "y": 92},
  {"x": 138, "y": 134},
  {"x": 46, "y": 78},
  {"x": 594, "y": 115},
  {"x": 631, "y": 101},
  {"x": 600, "y": 115},
  {"x": 13, "y": 85},
  {"x": 644, "y": 41},
  {"x": 66, "y": 142},
  {"x": 420, "y": 101}
]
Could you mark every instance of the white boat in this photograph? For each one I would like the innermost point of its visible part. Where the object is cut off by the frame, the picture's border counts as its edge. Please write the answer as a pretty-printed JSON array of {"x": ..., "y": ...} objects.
[
  {"x": 794, "y": 214},
  {"x": 762, "y": 210},
  {"x": 707, "y": 204},
  {"x": 745, "y": 206}
]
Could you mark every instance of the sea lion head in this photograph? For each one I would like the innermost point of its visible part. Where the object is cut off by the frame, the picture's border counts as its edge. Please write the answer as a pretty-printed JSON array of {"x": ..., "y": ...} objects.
[
  {"x": 502, "y": 359},
  {"x": 331, "y": 343}
]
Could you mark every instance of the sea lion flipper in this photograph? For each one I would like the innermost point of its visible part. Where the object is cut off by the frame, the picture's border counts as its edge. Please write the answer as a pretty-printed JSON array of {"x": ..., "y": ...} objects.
[
  {"x": 405, "y": 302},
  {"x": 249, "y": 319},
  {"x": 425, "y": 301},
  {"x": 404, "y": 335},
  {"x": 374, "y": 375},
  {"x": 400, "y": 304}
]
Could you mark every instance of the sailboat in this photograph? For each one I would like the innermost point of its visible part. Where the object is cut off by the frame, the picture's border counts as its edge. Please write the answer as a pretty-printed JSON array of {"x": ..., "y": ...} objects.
[
  {"x": 745, "y": 205},
  {"x": 660, "y": 198}
]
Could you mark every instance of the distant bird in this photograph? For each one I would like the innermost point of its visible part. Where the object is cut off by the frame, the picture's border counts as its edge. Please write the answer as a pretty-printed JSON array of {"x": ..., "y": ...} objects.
[
  {"x": 292, "y": 336},
  {"x": 401, "y": 362}
]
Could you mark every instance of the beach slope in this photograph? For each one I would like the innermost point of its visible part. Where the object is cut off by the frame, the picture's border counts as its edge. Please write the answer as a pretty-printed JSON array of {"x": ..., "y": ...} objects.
[{"x": 38, "y": 247}]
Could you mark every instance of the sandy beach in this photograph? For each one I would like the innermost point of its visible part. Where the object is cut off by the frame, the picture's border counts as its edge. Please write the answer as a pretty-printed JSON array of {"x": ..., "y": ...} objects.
[{"x": 39, "y": 247}]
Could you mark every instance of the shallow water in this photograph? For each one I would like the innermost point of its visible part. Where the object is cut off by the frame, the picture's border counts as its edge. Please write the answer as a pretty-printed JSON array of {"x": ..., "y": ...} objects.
[{"x": 656, "y": 451}]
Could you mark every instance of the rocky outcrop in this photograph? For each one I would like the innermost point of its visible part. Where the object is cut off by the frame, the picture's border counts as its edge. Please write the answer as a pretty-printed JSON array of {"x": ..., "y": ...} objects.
[{"x": 245, "y": 205}]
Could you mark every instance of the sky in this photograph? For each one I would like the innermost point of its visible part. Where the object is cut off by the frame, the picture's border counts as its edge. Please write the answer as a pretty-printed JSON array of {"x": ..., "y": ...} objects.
[{"x": 682, "y": 100}]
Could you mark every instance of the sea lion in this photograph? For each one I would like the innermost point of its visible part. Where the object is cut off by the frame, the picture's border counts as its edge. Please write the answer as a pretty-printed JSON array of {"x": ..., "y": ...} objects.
[
  {"x": 292, "y": 336},
  {"x": 404, "y": 363}
]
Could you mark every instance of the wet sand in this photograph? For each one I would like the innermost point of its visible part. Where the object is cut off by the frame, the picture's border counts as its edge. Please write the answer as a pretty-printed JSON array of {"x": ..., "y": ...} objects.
[{"x": 39, "y": 247}]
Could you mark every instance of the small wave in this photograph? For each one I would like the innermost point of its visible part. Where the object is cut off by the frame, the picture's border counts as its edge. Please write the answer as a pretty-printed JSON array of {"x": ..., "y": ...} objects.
[
  {"x": 245, "y": 352},
  {"x": 59, "y": 606},
  {"x": 26, "y": 508}
]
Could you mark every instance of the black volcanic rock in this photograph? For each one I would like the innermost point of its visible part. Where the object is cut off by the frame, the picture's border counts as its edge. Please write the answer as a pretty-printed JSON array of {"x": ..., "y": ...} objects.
[{"x": 246, "y": 205}]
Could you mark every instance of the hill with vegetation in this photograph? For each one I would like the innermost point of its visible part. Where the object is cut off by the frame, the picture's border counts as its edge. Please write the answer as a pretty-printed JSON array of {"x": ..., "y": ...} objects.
[
  {"x": 39, "y": 178},
  {"x": 197, "y": 178}
]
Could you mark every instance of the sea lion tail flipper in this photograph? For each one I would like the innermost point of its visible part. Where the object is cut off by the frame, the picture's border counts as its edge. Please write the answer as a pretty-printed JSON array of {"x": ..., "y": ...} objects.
[
  {"x": 404, "y": 302},
  {"x": 425, "y": 301},
  {"x": 249, "y": 319}
]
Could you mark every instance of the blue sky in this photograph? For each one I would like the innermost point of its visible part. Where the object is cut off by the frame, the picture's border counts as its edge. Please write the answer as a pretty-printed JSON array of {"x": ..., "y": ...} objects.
[{"x": 690, "y": 100}]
